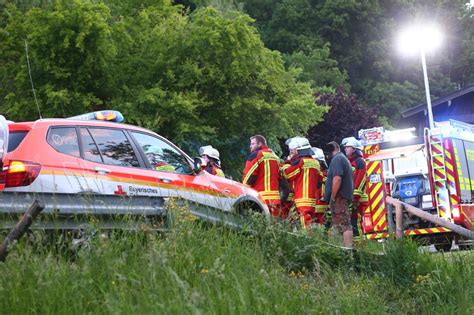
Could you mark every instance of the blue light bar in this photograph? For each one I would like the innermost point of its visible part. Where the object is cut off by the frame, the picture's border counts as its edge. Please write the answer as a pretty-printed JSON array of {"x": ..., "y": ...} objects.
[{"x": 105, "y": 115}]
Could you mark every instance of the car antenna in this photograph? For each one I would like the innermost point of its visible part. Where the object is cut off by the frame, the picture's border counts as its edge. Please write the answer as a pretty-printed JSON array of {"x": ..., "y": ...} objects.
[{"x": 31, "y": 79}]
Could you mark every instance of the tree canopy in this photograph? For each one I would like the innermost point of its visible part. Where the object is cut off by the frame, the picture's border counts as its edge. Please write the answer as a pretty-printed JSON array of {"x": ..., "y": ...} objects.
[{"x": 196, "y": 78}]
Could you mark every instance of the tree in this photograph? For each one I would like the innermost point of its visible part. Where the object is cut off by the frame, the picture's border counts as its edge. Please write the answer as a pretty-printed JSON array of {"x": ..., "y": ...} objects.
[
  {"x": 361, "y": 35},
  {"x": 345, "y": 117},
  {"x": 317, "y": 68},
  {"x": 207, "y": 78},
  {"x": 69, "y": 50}
]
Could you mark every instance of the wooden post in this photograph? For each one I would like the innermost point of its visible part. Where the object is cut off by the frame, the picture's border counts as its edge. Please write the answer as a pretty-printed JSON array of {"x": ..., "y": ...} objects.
[
  {"x": 398, "y": 220},
  {"x": 20, "y": 228},
  {"x": 432, "y": 218}
]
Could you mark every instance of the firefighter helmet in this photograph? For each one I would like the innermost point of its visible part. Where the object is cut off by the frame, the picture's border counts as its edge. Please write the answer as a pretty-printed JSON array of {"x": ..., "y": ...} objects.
[
  {"x": 318, "y": 154},
  {"x": 210, "y": 152},
  {"x": 298, "y": 143},
  {"x": 352, "y": 142}
]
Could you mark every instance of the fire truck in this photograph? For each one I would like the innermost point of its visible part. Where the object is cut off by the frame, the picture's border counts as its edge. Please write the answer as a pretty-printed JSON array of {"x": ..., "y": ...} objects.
[{"x": 433, "y": 172}]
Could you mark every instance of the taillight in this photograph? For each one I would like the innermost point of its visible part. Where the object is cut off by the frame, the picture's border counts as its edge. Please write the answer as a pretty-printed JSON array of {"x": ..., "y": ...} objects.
[{"x": 19, "y": 173}]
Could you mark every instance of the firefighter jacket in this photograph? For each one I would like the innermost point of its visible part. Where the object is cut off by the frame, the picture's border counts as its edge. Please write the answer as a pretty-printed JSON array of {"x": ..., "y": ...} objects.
[
  {"x": 262, "y": 173},
  {"x": 213, "y": 169},
  {"x": 359, "y": 169},
  {"x": 303, "y": 173}
]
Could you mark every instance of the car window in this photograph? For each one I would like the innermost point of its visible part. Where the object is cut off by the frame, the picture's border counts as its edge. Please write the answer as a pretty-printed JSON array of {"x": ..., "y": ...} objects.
[
  {"x": 161, "y": 155},
  {"x": 114, "y": 147},
  {"x": 15, "y": 138},
  {"x": 64, "y": 140},
  {"x": 91, "y": 151}
]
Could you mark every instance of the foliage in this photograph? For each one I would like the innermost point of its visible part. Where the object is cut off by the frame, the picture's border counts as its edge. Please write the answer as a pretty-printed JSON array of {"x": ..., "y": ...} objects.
[
  {"x": 69, "y": 50},
  {"x": 200, "y": 75},
  {"x": 346, "y": 112},
  {"x": 362, "y": 36},
  {"x": 317, "y": 68},
  {"x": 200, "y": 268},
  {"x": 200, "y": 78}
]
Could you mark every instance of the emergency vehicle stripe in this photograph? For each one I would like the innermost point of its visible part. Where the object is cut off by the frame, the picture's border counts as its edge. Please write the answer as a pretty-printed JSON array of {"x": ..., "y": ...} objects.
[
  {"x": 128, "y": 180},
  {"x": 440, "y": 177},
  {"x": 373, "y": 236},
  {"x": 451, "y": 176},
  {"x": 375, "y": 191}
]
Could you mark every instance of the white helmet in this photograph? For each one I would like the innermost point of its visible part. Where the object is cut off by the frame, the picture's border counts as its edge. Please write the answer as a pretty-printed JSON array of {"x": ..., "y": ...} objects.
[
  {"x": 298, "y": 143},
  {"x": 209, "y": 151},
  {"x": 318, "y": 154},
  {"x": 352, "y": 142}
]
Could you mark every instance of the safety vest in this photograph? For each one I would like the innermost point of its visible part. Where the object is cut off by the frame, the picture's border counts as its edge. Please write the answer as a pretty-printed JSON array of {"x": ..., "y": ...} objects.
[{"x": 262, "y": 173}]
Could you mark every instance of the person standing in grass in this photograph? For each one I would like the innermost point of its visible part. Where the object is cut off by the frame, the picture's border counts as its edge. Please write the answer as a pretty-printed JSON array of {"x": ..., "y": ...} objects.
[
  {"x": 303, "y": 174},
  {"x": 339, "y": 191},
  {"x": 262, "y": 173}
]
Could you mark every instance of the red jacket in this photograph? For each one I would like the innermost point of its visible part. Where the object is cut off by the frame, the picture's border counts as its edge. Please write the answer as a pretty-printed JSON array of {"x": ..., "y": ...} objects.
[
  {"x": 303, "y": 173},
  {"x": 213, "y": 169},
  {"x": 262, "y": 173},
  {"x": 359, "y": 169}
]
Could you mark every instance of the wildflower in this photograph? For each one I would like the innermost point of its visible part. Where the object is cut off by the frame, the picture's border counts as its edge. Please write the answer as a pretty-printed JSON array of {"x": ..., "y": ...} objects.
[
  {"x": 305, "y": 286},
  {"x": 204, "y": 270}
]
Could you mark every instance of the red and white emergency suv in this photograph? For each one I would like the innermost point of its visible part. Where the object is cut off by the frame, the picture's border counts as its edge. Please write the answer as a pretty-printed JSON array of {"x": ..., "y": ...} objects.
[
  {"x": 433, "y": 172},
  {"x": 80, "y": 168}
]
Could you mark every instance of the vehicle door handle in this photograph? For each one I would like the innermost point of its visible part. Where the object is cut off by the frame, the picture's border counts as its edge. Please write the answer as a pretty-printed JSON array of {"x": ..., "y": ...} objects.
[
  {"x": 165, "y": 179},
  {"x": 227, "y": 191},
  {"x": 101, "y": 170}
]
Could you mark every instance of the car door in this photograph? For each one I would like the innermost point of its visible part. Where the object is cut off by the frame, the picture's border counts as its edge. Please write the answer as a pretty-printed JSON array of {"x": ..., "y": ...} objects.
[
  {"x": 109, "y": 161},
  {"x": 175, "y": 176}
]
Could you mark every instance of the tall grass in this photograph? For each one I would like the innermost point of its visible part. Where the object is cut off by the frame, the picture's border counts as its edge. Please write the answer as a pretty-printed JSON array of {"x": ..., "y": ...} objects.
[{"x": 203, "y": 269}]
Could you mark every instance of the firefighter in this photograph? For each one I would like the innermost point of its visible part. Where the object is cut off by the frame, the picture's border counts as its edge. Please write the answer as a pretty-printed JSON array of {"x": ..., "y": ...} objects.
[
  {"x": 353, "y": 149},
  {"x": 321, "y": 204},
  {"x": 303, "y": 173},
  {"x": 262, "y": 173},
  {"x": 210, "y": 156}
]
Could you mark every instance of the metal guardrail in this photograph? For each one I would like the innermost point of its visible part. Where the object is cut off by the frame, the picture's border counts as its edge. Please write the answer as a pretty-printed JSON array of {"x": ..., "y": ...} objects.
[{"x": 66, "y": 211}]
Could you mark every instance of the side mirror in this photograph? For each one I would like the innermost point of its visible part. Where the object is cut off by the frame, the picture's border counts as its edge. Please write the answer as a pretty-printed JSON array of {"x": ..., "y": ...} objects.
[{"x": 199, "y": 165}]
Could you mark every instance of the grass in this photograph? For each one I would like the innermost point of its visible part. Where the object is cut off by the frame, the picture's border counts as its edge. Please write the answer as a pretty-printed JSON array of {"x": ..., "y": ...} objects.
[{"x": 203, "y": 269}]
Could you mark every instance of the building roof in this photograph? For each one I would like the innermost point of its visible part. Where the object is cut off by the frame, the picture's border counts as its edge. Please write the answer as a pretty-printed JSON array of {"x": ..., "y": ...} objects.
[{"x": 421, "y": 107}]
